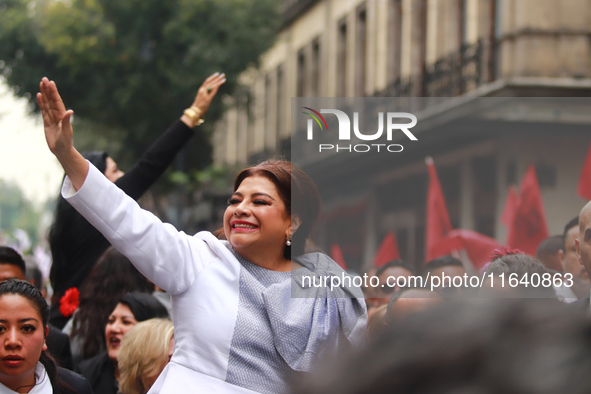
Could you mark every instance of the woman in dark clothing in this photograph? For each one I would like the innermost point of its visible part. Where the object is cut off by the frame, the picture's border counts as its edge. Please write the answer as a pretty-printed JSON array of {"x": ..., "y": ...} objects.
[
  {"x": 101, "y": 371},
  {"x": 111, "y": 278},
  {"x": 75, "y": 244},
  {"x": 25, "y": 364}
]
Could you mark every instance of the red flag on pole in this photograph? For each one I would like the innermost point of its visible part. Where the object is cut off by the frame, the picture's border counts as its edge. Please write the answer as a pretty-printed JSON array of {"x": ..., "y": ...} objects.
[
  {"x": 337, "y": 255},
  {"x": 438, "y": 223},
  {"x": 387, "y": 251},
  {"x": 510, "y": 206},
  {"x": 478, "y": 246},
  {"x": 584, "y": 189},
  {"x": 529, "y": 226}
]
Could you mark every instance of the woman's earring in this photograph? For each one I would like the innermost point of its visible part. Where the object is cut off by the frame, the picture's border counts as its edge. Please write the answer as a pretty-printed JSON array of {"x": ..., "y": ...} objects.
[{"x": 288, "y": 242}]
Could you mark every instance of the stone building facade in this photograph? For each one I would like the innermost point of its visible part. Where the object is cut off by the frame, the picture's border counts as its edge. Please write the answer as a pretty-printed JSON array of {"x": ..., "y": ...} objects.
[{"x": 452, "y": 50}]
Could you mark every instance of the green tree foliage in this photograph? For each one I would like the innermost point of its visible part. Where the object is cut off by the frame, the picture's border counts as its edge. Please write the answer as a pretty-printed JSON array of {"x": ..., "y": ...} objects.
[
  {"x": 129, "y": 67},
  {"x": 16, "y": 212}
]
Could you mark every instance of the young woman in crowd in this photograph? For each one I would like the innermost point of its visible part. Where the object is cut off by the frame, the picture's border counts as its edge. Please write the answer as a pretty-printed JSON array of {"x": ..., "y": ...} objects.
[
  {"x": 111, "y": 278},
  {"x": 102, "y": 370},
  {"x": 145, "y": 351},
  {"x": 243, "y": 322},
  {"x": 75, "y": 244},
  {"x": 25, "y": 367}
]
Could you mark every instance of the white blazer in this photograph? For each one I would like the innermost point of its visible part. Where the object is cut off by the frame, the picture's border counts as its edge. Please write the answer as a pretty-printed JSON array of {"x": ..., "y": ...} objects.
[{"x": 203, "y": 277}]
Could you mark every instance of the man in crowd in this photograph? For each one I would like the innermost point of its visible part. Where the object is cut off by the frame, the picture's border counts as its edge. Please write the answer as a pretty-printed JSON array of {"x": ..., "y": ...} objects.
[
  {"x": 12, "y": 264},
  {"x": 571, "y": 264},
  {"x": 583, "y": 249},
  {"x": 389, "y": 282},
  {"x": 551, "y": 253},
  {"x": 445, "y": 267}
]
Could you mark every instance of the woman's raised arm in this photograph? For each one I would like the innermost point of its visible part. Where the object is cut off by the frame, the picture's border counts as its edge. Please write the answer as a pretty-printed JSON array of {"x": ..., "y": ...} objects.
[{"x": 59, "y": 133}]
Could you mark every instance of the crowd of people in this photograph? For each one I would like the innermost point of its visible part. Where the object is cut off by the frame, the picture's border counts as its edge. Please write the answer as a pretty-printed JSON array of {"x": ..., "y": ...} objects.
[{"x": 162, "y": 311}]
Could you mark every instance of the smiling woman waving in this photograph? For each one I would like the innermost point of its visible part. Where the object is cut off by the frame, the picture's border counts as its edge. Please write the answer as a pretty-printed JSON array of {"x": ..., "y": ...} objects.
[{"x": 243, "y": 322}]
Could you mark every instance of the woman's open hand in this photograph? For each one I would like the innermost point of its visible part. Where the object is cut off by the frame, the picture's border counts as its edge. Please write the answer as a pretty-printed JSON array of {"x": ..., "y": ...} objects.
[
  {"x": 207, "y": 92},
  {"x": 56, "y": 120},
  {"x": 58, "y": 132}
]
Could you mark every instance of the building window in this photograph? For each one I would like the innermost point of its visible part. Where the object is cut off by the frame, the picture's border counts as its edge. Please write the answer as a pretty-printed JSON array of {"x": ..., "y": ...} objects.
[
  {"x": 301, "y": 88},
  {"x": 342, "y": 59},
  {"x": 462, "y": 23},
  {"x": 315, "y": 89},
  {"x": 495, "y": 38},
  {"x": 546, "y": 176},
  {"x": 421, "y": 19},
  {"x": 280, "y": 101},
  {"x": 361, "y": 51},
  {"x": 269, "y": 124},
  {"x": 394, "y": 39}
]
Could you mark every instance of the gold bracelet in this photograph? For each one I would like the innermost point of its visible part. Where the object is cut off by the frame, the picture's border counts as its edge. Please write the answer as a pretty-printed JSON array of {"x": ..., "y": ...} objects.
[{"x": 194, "y": 114}]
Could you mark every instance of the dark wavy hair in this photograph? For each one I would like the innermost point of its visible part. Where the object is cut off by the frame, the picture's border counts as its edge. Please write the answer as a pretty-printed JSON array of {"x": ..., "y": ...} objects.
[
  {"x": 12, "y": 257},
  {"x": 297, "y": 191},
  {"x": 64, "y": 212},
  {"x": 111, "y": 278},
  {"x": 144, "y": 306},
  {"x": 30, "y": 292},
  {"x": 60, "y": 235}
]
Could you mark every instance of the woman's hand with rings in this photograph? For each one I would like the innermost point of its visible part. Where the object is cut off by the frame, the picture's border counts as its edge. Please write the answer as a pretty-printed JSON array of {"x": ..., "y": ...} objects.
[{"x": 207, "y": 92}]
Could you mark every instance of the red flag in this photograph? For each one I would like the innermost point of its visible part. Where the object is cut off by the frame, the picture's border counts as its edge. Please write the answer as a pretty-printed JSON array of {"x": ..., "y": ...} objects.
[
  {"x": 387, "y": 251},
  {"x": 337, "y": 255},
  {"x": 510, "y": 206},
  {"x": 438, "y": 223},
  {"x": 584, "y": 189},
  {"x": 478, "y": 246},
  {"x": 529, "y": 226}
]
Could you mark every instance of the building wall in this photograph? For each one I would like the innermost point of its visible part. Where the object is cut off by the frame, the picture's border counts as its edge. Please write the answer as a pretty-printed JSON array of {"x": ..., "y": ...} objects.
[
  {"x": 536, "y": 38},
  {"x": 545, "y": 38},
  {"x": 518, "y": 39}
]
